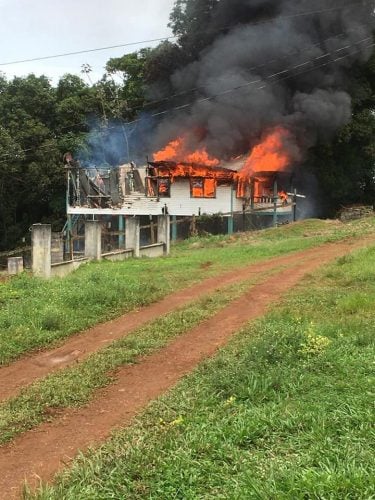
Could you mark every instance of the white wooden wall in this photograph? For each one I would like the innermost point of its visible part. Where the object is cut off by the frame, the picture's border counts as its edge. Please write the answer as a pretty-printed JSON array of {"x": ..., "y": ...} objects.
[{"x": 180, "y": 203}]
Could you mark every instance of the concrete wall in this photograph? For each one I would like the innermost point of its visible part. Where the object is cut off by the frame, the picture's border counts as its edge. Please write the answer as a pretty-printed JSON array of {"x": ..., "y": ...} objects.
[
  {"x": 41, "y": 247},
  {"x": 118, "y": 256},
  {"x": 15, "y": 265},
  {"x": 152, "y": 251},
  {"x": 62, "y": 269},
  {"x": 57, "y": 248}
]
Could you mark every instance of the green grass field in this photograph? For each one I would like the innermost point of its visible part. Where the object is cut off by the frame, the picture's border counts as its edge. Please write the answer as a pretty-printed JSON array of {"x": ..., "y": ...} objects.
[
  {"x": 76, "y": 385},
  {"x": 285, "y": 411},
  {"x": 35, "y": 314}
]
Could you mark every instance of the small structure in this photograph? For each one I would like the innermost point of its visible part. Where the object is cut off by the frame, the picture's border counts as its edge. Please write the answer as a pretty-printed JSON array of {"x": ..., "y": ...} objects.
[{"x": 15, "y": 265}]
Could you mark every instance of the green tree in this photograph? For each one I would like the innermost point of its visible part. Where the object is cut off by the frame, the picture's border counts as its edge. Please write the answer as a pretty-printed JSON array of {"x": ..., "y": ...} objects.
[{"x": 345, "y": 167}]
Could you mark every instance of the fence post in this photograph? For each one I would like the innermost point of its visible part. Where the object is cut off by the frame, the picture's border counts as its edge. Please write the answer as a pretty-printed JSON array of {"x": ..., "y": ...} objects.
[
  {"x": 93, "y": 240},
  {"x": 164, "y": 232},
  {"x": 132, "y": 230},
  {"x": 41, "y": 250}
]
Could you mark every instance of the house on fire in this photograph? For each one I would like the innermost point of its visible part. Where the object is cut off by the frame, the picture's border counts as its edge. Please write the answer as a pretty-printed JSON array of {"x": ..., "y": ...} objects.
[
  {"x": 141, "y": 208},
  {"x": 175, "y": 189}
]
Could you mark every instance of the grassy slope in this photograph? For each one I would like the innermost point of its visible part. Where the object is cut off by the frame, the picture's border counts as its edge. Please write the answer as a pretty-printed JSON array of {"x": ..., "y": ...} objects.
[
  {"x": 35, "y": 313},
  {"x": 284, "y": 412},
  {"x": 76, "y": 385}
]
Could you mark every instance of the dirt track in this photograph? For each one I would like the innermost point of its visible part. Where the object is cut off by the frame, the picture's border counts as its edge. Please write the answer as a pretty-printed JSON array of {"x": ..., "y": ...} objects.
[
  {"x": 40, "y": 453},
  {"x": 28, "y": 369}
]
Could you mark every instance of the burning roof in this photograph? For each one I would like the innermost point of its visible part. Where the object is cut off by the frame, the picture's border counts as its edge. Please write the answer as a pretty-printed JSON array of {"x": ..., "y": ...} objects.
[
  {"x": 190, "y": 170},
  {"x": 270, "y": 155}
]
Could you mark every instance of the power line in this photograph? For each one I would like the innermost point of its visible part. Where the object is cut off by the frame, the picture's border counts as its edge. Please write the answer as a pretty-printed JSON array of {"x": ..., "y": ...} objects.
[
  {"x": 275, "y": 76},
  {"x": 87, "y": 51},
  {"x": 161, "y": 39}
]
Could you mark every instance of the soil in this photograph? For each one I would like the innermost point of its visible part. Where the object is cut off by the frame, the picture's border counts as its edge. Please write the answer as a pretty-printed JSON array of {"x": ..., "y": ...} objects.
[{"x": 37, "y": 455}]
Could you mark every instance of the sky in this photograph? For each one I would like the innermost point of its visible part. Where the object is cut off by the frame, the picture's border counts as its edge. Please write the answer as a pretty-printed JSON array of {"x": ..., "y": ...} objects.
[{"x": 36, "y": 28}]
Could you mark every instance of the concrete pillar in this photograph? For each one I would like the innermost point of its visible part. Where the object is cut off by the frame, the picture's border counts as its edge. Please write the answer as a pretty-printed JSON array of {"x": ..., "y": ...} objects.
[
  {"x": 121, "y": 229},
  {"x": 15, "y": 265},
  {"x": 132, "y": 234},
  {"x": 93, "y": 240},
  {"x": 41, "y": 250},
  {"x": 164, "y": 232}
]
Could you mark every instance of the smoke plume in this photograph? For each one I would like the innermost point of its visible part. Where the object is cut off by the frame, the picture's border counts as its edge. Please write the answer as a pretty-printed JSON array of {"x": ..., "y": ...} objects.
[{"x": 280, "y": 64}]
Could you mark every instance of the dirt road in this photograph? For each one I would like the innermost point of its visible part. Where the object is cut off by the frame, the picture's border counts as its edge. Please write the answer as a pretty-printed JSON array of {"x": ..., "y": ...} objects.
[
  {"x": 28, "y": 369},
  {"x": 39, "y": 454}
]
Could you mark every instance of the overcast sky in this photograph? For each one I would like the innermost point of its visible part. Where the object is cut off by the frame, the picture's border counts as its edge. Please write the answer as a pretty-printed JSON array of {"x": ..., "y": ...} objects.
[{"x": 34, "y": 28}]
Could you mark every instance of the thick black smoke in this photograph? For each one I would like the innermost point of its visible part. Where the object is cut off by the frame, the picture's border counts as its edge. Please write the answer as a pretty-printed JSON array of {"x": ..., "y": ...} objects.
[{"x": 310, "y": 56}]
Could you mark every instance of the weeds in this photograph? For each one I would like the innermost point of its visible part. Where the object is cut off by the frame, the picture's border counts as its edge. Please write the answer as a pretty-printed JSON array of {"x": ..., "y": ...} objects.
[{"x": 284, "y": 412}]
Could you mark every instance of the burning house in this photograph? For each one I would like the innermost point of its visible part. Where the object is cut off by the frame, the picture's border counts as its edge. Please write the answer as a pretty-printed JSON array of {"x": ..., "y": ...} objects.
[
  {"x": 232, "y": 125},
  {"x": 196, "y": 185}
]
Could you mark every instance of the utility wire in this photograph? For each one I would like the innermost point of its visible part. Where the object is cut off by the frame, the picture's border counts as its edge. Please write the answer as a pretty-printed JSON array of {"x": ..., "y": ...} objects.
[
  {"x": 161, "y": 39},
  {"x": 275, "y": 76}
]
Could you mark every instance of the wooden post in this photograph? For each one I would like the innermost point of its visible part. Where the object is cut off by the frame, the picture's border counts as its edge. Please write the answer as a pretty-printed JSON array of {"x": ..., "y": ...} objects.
[
  {"x": 193, "y": 226},
  {"x": 295, "y": 206},
  {"x": 275, "y": 199}
]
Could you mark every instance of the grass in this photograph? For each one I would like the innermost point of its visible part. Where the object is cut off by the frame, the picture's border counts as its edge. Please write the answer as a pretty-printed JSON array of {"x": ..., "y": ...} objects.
[
  {"x": 75, "y": 386},
  {"x": 35, "y": 314},
  {"x": 285, "y": 411}
]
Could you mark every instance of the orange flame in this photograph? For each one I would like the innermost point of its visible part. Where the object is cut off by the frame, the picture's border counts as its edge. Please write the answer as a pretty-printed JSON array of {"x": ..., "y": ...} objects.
[
  {"x": 270, "y": 155},
  {"x": 177, "y": 151}
]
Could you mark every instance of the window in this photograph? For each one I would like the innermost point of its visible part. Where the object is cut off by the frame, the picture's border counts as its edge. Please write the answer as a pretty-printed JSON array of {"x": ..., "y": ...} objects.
[
  {"x": 202, "y": 188},
  {"x": 158, "y": 187},
  {"x": 164, "y": 188}
]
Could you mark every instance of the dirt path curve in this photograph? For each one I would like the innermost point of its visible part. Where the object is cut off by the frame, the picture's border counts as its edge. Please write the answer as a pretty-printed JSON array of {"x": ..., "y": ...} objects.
[
  {"x": 28, "y": 369},
  {"x": 38, "y": 455}
]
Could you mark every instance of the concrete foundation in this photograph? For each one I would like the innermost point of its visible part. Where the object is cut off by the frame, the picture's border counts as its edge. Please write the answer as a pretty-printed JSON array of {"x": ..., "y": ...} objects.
[
  {"x": 15, "y": 265},
  {"x": 132, "y": 234},
  {"x": 164, "y": 232},
  {"x": 41, "y": 250},
  {"x": 93, "y": 240}
]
